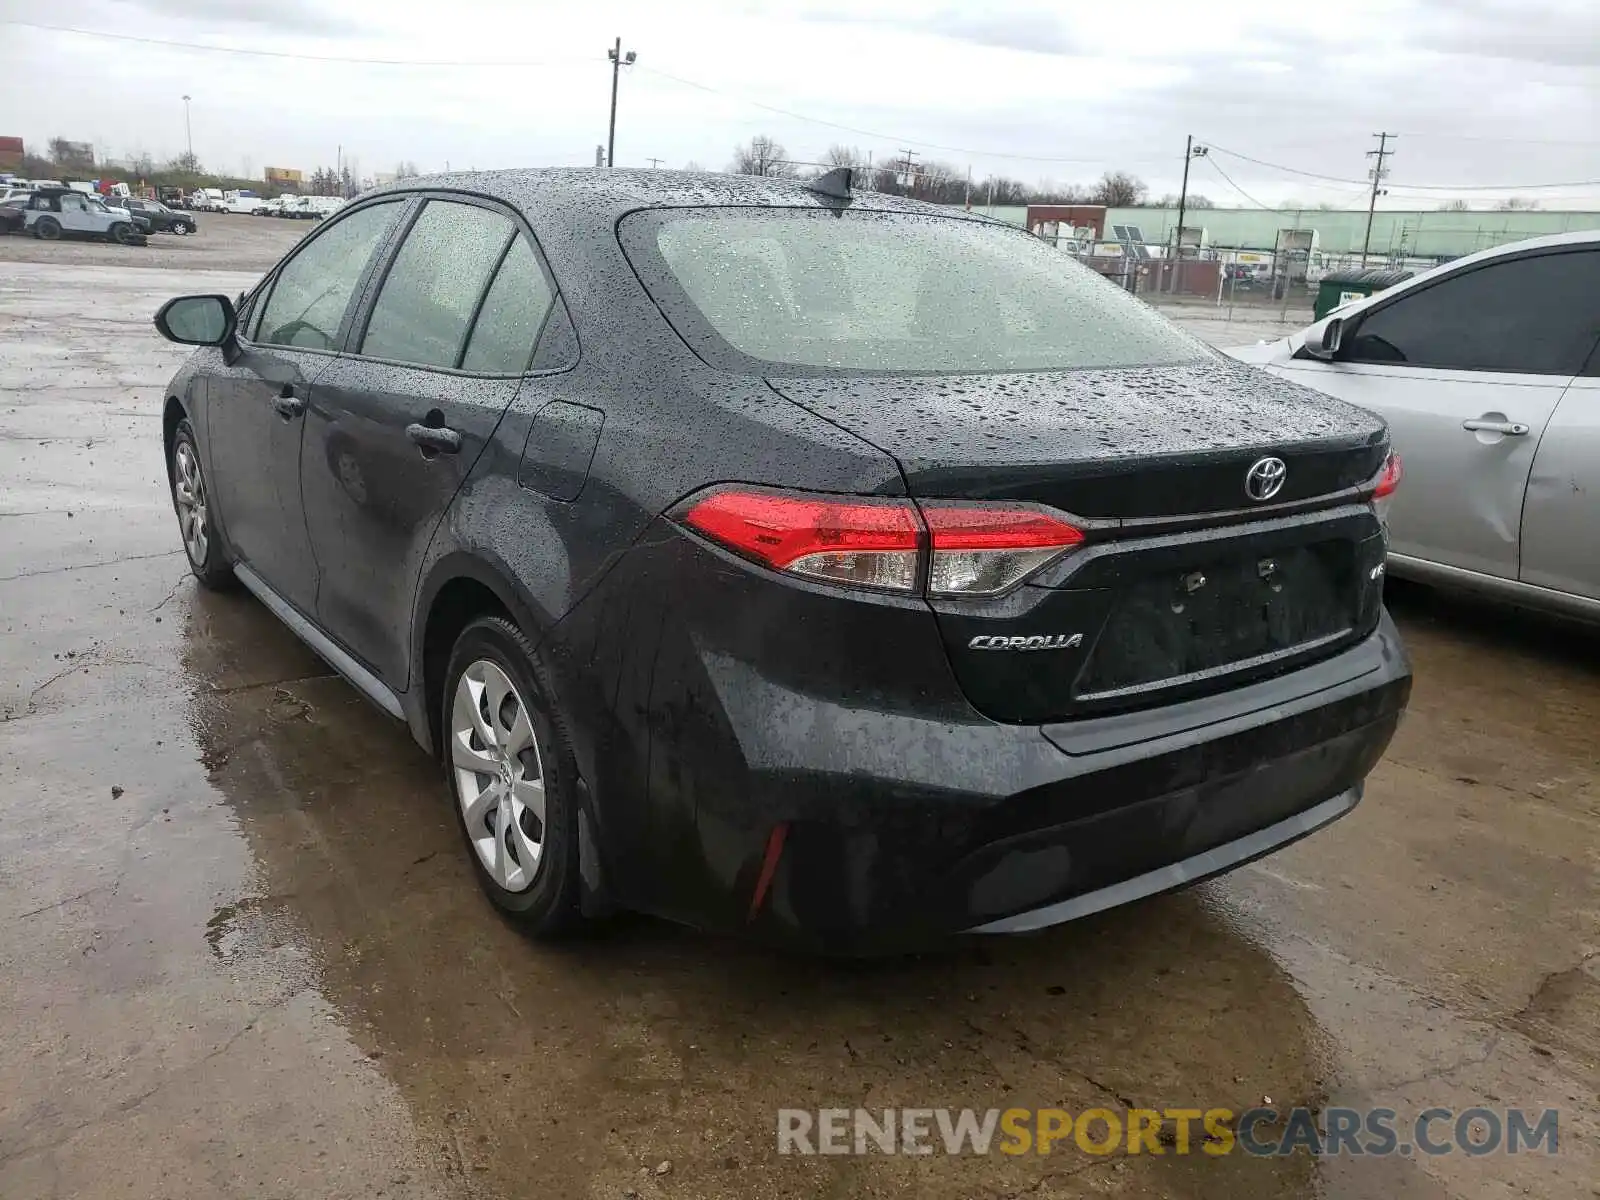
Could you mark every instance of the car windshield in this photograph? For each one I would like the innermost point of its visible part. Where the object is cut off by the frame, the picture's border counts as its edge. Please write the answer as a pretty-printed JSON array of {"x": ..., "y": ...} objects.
[{"x": 889, "y": 292}]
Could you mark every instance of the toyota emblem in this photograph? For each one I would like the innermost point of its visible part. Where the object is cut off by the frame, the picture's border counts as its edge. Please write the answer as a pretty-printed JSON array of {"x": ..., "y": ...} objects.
[{"x": 1264, "y": 479}]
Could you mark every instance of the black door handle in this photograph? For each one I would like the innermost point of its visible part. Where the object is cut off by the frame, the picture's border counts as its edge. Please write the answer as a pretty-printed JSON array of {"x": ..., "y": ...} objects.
[
  {"x": 434, "y": 440},
  {"x": 287, "y": 405}
]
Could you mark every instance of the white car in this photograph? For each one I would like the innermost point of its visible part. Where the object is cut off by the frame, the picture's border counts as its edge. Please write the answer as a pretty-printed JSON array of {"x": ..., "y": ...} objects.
[{"x": 1488, "y": 372}]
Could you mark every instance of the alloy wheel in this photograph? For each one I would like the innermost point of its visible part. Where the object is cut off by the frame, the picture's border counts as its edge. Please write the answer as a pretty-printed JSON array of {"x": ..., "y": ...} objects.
[
  {"x": 499, "y": 774},
  {"x": 189, "y": 495}
]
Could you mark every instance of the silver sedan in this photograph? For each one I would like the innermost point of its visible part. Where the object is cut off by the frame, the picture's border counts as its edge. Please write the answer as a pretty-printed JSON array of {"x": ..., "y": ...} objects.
[{"x": 1488, "y": 372}]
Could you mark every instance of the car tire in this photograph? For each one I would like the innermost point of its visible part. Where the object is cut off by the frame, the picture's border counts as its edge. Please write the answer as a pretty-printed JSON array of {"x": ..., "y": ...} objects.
[
  {"x": 47, "y": 229},
  {"x": 506, "y": 752},
  {"x": 180, "y": 227},
  {"x": 191, "y": 501},
  {"x": 123, "y": 233}
]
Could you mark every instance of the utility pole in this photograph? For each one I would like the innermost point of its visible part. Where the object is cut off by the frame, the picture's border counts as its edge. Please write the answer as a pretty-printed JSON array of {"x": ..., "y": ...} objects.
[
  {"x": 188, "y": 129},
  {"x": 1378, "y": 172},
  {"x": 1190, "y": 153},
  {"x": 655, "y": 162},
  {"x": 968, "y": 201},
  {"x": 910, "y": 170},
  {"x": 618, "y": 61}
]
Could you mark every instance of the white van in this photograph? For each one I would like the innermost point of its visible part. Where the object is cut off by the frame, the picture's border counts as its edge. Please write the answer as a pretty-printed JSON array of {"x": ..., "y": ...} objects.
[{"x": 206, "y": 199}]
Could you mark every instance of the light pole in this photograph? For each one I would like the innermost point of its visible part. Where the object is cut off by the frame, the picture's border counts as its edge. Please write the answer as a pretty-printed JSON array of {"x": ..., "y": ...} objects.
[
  {"x": 1190, "y": 153},
  {"x": 618, "y": 61},
  {"x": 188, "y": 129}
]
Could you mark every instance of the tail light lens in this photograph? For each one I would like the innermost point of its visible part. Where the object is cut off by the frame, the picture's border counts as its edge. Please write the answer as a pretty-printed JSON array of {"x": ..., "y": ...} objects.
[
  {"x": 860, "y": 543},
  {"x": 981, "y": 550},
  {"x": 972, "y": 549},
  {"x": 1388, "y": 481}
]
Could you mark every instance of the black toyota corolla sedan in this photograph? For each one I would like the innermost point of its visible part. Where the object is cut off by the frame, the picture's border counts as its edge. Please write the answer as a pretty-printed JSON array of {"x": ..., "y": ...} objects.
[{"x": 778, "y": 557}]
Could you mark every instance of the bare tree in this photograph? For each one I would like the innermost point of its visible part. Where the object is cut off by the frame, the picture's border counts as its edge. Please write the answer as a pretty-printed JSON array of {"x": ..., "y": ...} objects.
[
  {"x": 143, "y": 164},
  {"x": 1118, "y": 189},
  {"x": 187, "y": 163},
  {"x": 1455, "y": 206},
  {"x": 1517, "y": 204},
  {"x": 692, "y": 165},
  {"x": 761, "y": 156},
  {"x": 1050, "y": 192},
  {"x": 1001, "y": 190},
  {"x": 844, "y": 156},
  {"x": 406, "y": 169},
  {"x": 1194, "y": 200}
]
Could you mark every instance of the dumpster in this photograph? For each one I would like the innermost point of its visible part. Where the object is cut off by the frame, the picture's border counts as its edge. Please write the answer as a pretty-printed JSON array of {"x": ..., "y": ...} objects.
[{"x": 1341, "y": 287}]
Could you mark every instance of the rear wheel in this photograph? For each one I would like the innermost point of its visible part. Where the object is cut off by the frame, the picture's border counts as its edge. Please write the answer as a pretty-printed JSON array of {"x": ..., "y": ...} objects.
[
  {"x": 47, "y": 229},
  {"x": 511, "y": 772},
  {"x": 123, "y": 233},
  {"x": 191, "y": 500}
]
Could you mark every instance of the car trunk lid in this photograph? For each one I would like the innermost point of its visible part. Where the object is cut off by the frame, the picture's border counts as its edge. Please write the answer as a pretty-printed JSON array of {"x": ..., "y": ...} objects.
[
  {"x": 1124, "y": 444},
  {"x": 1142, "y": 613}
]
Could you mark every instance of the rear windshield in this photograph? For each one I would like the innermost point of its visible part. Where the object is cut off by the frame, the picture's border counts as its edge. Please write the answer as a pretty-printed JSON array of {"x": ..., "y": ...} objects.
[{"x": 887, "y": 292}]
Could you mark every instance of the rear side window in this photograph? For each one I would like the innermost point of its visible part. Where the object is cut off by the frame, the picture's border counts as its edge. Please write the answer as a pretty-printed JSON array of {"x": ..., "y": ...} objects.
[
  {"x": 887, "y": 292},
  {"x": 427, "y": 304},
  {"x": 1537, "y": 315},
  {"x": 313, "y": 288},
  {"x": 513, "y": 313}
]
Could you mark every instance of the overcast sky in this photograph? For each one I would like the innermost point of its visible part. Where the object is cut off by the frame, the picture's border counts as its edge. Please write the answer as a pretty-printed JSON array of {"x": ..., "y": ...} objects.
[{"x": 1481, "y": 92}]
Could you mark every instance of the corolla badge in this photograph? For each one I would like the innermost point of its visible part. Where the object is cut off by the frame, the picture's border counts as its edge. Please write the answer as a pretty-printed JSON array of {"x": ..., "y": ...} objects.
[
  {"x": 1035, "y": 641},
  {"x": 1264, "y": 479}
]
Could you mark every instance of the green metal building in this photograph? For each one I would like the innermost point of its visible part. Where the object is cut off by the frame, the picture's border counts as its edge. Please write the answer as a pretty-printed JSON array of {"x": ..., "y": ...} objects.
[{"x": 1430, "y": 234}]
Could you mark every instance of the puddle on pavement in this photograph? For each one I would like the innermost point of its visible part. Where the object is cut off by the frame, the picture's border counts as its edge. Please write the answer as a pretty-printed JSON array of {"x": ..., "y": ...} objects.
[{"x": 582, "y": 1064}]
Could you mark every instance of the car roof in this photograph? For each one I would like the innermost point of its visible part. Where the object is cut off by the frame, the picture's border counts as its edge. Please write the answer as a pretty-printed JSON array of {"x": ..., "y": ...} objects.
[{"x": 542, "y": 191}]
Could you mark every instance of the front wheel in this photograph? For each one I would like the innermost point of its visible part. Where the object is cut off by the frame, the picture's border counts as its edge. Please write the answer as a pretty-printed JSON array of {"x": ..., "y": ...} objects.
[
  {"x": 512, "y": 774},
  {"x": 191, "y": 500},
  {"x": 180, "y": 228},
  {"x": 47, "y": 229}
]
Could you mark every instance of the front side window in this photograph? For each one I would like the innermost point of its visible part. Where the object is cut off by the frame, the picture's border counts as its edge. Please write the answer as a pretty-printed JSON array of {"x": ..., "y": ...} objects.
[
  {"x": 1537, "y": 315},
  {"x": 425, "y": 308},
  {"x": 888, "y": 292},
  {"x": 313, "y": 289}
]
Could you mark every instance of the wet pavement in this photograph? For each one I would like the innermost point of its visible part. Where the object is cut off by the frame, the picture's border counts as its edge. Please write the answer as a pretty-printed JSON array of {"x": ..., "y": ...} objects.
[{"x": 242, "y": 953}]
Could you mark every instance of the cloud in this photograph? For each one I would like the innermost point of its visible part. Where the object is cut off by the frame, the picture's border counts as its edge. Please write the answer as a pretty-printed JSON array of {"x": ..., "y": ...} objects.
[
  {"x": 1033, "y": 31},
  {"x": 280, "y": 16},
  {"x": 1557, "y": 35}
]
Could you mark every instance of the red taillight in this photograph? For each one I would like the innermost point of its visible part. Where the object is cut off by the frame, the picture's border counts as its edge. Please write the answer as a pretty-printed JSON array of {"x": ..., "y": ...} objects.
[
  {"x": 974, "y": 549},
  {"x": 981, "y": 549},
  {"x": 1389, "y": 478},
  {"x": 867, "y": 543}
]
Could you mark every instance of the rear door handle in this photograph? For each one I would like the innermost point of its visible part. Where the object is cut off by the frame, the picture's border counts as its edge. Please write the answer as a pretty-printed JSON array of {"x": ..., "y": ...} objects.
[
  {"x": 1511, "y": 428},
  {"x": 436, "y": 440},
  {"x": 287, "y": 405}
]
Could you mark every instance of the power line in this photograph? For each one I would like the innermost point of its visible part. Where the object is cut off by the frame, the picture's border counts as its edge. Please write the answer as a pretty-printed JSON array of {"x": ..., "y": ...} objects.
[
  {"x": 1362, "y": 183},
  {"x": 883, "y": 137},
  {"x": 1226, "y": 178},
  {"x": 330, "y": 58},
  {"x": 1425, "y": 187}
]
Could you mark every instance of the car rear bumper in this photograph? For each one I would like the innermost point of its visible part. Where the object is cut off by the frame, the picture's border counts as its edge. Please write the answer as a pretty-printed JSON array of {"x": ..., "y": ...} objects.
[
  {"x": 917, "y": 832},
  {"x": 763, "y": 757}
]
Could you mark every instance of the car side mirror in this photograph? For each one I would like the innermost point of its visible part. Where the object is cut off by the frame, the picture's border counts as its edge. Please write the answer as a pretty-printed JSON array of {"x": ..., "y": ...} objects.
[
  {"x": 197, "y": 320},
  {"x": 1322, "y": 339}
]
